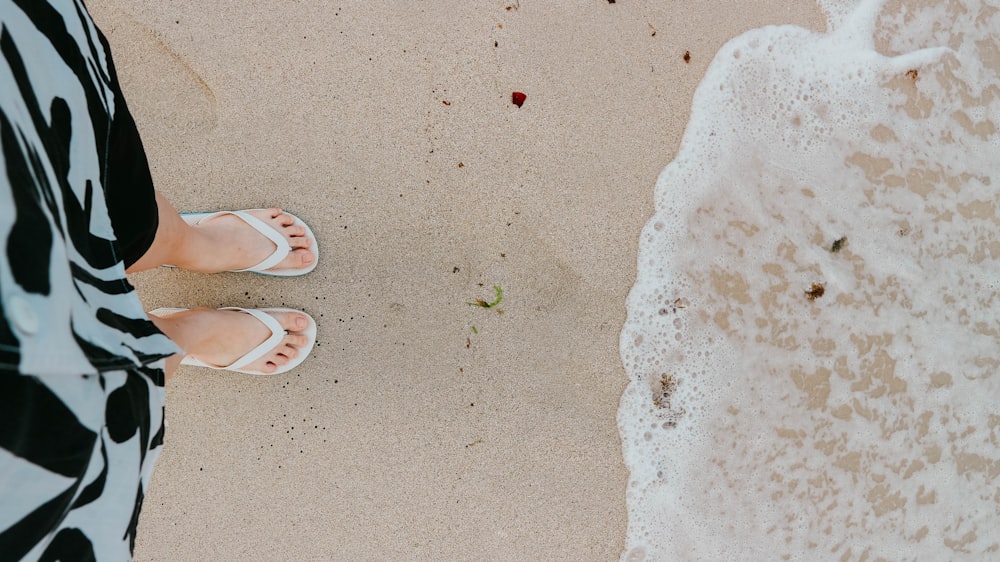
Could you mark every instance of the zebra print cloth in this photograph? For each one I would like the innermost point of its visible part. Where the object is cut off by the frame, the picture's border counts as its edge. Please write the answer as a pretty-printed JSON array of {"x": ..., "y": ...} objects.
[{"x": 81, "y": 379}]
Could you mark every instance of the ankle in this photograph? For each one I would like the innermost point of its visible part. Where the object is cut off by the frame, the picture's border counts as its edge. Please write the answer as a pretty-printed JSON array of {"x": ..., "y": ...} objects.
[
  {"x": 186, "y": 328},
  {"x": 194, "y": 248}
]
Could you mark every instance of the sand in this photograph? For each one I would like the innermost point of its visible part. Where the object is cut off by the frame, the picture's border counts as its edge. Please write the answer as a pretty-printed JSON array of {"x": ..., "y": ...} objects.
[{"x": 421, "y": 428}]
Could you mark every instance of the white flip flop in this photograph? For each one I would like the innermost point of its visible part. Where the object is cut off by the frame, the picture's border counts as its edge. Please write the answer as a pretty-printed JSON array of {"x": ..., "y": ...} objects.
[
  {"x": 282, "y": 248},
  {"x": 277, "y": 333}
]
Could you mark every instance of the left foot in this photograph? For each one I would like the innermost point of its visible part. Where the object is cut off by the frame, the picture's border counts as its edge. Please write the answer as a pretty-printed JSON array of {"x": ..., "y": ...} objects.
[{"x": 228, "y": 243}]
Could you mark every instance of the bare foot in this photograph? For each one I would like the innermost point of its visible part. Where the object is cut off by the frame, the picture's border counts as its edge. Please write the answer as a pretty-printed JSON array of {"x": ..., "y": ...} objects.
[
  {"x": 220, "y": 337},
  {"x": 228, "y": 243}
]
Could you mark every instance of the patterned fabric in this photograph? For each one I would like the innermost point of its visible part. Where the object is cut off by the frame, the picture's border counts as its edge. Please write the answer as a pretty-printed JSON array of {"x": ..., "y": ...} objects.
[{"x": 81, "y": 379}]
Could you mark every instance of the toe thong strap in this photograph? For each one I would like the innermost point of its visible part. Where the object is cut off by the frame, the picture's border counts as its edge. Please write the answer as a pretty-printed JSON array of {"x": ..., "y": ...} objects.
[
  {"x": 277, "y": 334},
  {"x": 282, "y": 248}
]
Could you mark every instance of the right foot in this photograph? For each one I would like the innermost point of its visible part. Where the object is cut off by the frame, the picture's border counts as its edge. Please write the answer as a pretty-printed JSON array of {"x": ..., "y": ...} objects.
[{"x": 220, "y": 337}]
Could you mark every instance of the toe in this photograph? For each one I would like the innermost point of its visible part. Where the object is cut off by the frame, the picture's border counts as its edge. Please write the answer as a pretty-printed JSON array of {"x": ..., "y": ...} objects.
[
  {"x": 296, "y": 341},
  {"x": 293, "y": 321},
  {"x": 303, "y": 256},
  {"x": 300, "y": 242},
  {"x": 295, "y": 230}
]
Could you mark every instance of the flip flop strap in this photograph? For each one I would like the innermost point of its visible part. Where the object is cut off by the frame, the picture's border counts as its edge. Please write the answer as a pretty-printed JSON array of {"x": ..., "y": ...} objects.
[
  {"x": 281, "y": 250},
  {"x": 277, "y": 334}
]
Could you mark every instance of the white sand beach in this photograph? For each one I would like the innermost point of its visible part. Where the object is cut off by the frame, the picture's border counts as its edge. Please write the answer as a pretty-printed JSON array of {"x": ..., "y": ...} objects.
[{"x": 421, "y": 428}]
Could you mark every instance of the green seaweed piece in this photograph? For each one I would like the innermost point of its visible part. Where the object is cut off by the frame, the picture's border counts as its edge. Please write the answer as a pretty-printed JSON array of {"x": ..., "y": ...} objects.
[
  {"x": 483, "y": 304},
  {"x": 474, "y": 330}
]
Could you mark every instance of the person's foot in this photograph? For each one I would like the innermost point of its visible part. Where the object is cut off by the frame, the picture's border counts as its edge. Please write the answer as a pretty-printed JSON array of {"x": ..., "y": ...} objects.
[
  {"x": 220, "y": 337},
  {"x": 228, "y": 243}
]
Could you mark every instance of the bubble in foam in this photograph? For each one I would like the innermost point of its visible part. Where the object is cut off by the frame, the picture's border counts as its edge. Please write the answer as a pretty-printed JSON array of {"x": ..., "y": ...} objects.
[
  {"x": 823, "y": 428},
  {"x": 637, "y": 554}
]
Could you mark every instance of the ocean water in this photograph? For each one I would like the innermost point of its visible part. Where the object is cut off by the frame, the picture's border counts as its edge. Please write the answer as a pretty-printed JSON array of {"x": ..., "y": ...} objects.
[{"x": 813, "y": 337}]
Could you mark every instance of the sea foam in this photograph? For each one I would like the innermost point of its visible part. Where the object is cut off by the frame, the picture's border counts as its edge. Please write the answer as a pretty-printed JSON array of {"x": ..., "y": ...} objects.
[{"x": 812, "y": 340}]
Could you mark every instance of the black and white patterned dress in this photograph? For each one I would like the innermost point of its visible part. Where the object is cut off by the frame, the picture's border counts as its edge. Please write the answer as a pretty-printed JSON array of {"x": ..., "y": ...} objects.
[{"x": 81, "y": 379}]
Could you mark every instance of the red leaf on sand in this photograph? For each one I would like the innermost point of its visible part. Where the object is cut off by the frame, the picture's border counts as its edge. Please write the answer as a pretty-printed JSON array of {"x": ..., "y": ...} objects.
[{"x": 517, "y": 98}]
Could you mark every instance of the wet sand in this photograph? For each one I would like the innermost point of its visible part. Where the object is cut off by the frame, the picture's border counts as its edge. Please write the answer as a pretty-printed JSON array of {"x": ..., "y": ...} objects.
[{"x": 421, "y": 427}]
